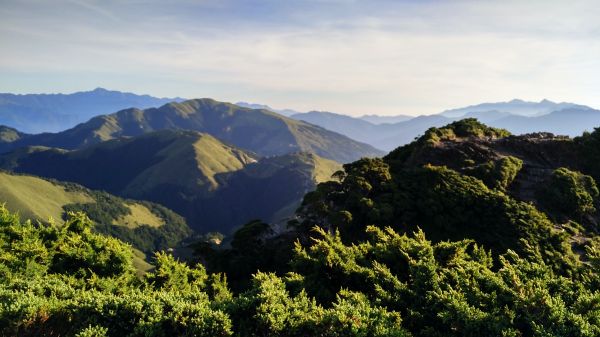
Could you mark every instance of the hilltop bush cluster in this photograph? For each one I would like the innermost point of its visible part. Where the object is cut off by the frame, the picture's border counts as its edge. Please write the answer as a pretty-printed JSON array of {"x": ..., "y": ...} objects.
[
  {"x": 571, "y": 193},
  {"x": 457, "y": 132},
  {"x": 498, "y": 174},
  {"x": 464, "y": 128},
  {"x": 441, "y": 201}
]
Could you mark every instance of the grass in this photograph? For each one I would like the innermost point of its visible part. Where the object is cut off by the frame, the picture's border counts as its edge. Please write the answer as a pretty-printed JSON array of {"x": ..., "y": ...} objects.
[
  {"x": 140, "y": 263},
  {"x": 140, "y": 215},
  {"x": 144, "y": 227},
  {"x": 213, "y": 157},
  {"x": 35, "y": 198},
  {"x": 324, "y": 168},
  {"x": 190, "y": 160},
  {"x": 8, "y": 134}
]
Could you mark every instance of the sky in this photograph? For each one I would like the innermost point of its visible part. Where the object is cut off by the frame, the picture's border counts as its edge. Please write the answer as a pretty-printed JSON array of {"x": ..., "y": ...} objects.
[{"x": 347, "y": 56}]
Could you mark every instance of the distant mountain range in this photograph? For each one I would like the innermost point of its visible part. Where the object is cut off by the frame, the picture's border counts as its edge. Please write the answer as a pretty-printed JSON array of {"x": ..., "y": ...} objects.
[
  {"x": 285, "y": 112},
  {"x": 376, "y": 119},
  {"x": 517, "y": 116},
  {"x": 217, "y": 164},
  {"x": 373, "y": 119},
  {"x": 514, "y": 107},
  {"x": 34, "y": 113}
]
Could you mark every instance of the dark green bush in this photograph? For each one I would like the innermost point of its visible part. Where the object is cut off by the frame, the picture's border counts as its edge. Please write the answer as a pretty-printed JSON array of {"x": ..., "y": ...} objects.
[
  {"x": 497, "y": 174},
  {"x": 570, "y": 192}
]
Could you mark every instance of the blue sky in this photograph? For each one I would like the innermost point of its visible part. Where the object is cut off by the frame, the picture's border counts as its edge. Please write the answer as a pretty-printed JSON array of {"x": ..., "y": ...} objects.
[{"x": 354, "y": 57}]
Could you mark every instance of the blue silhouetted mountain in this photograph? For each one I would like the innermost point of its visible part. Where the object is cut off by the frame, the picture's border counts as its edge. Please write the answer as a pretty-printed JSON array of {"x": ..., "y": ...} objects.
[{"x": 34, "y": 113}]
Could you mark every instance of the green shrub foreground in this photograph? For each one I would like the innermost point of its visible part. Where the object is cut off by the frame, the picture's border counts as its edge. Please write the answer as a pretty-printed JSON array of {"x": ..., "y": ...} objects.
[{"x": 70, "y": 281}]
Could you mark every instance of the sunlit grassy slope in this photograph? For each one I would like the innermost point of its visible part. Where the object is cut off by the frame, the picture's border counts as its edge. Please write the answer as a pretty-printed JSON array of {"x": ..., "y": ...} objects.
[
  {"x": 324, "y": 168},
  {"x": 140, "y": 215},
  {"x": 140, "y": 262},
  {"x": 145, "y": 225},
  {"x": 37, "y": 199}
]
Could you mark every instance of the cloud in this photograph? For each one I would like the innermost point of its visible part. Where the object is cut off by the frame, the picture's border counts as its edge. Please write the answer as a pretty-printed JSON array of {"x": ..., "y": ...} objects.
[
  {"x": 348, "y": 56},
  {"x": 95, "y": 9}
]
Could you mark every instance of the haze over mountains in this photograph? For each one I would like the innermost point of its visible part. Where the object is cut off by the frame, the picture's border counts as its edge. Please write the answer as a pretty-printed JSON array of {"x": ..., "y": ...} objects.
[
  {"x": 514, "y": 107},
  {"x": 517, "y": 116},
  {"x": 374, "y": 119}
]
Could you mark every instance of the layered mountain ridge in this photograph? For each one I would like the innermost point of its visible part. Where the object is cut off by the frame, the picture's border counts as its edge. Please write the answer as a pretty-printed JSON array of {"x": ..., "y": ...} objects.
[
  {"x": 261, "y": 131},
  {"x": 215, "y": 186}
]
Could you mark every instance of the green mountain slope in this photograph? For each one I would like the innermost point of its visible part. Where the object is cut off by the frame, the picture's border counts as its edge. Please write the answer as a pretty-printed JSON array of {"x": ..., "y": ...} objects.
[
  {"x": 36, "y": 198},
  {"x": 260, "y": 131},
  {"x": 467, "y": 180},
  {"x": 215, "y": 186},
  {"x": 136, "y": 166},
  {"x": 270, "y": 189},
  {"x": 148, "y": 226}
]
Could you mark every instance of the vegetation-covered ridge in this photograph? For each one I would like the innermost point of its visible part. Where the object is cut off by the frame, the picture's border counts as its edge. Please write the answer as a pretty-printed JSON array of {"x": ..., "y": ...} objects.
[
  {"x": 465, "y": 128},
  {"x": 147, "y": 226},
  {"x": 68, "y": 281},
  {"x": 467, "y": 180},
  {"x": 483, "y": 185}
]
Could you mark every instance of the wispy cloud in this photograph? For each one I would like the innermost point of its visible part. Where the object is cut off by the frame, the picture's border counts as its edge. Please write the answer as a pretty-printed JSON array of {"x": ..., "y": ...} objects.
[
  {"x": 348, "y": 56},
  {"x": 95, "y": 9}
]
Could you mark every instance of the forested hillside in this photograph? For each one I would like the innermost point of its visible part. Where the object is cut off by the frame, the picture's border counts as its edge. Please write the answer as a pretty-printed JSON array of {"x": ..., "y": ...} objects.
[
  {"x": 467, "y": 180},
  {"x": 508, "y": 195},
  {"x": 70, "y": 282}
]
